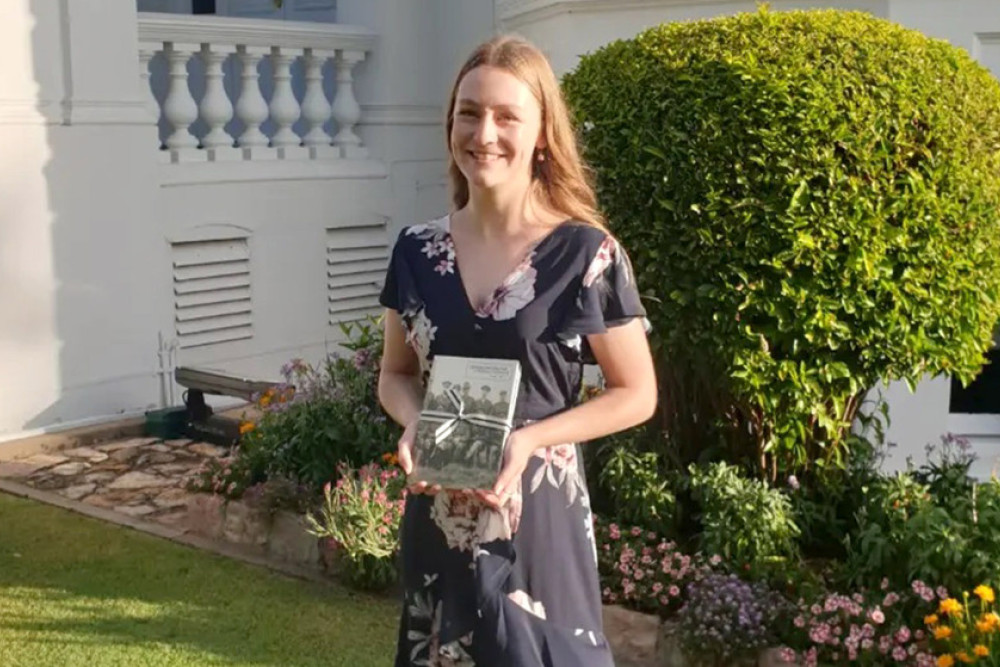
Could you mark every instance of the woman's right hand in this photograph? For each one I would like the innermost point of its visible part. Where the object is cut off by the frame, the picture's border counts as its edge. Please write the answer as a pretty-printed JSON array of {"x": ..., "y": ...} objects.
[{"x": 404, "y": 452}]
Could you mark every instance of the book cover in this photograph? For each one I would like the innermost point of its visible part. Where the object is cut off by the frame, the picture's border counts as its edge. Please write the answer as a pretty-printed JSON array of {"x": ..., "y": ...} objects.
[{"x": 466, "y": 418}]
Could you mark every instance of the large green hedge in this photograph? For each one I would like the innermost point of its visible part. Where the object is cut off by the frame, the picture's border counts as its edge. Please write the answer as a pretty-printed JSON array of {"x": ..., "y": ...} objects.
[{"x": 811, "y": 200}]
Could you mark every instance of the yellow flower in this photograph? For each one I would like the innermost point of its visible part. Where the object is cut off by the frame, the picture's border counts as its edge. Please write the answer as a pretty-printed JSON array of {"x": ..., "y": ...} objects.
[
  {"x": 981, "y": 651},
  {"x": 985, "y": 593},
  {"x": 945, "y": 661},
  {"x": 246, "y": 427},
  {"x": 942, "y": 633},
  {"x": 931, "y": 620},
  {"x": 984, "y": 624},
  {"x": 964, "y": 657},
  {"x": 950, "y": 606}
]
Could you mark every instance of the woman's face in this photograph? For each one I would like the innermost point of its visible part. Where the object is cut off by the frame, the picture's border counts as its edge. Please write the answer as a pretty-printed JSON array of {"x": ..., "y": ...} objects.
[{"x": 496, "y": 129}]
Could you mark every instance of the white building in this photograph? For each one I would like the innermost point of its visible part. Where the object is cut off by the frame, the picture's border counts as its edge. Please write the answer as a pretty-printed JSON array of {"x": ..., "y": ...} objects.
[{"x": 125, "y": 248}]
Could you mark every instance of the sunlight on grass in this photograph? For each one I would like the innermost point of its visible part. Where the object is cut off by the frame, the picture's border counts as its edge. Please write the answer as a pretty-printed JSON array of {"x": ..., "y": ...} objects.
[{"x": 74, "y": 591}]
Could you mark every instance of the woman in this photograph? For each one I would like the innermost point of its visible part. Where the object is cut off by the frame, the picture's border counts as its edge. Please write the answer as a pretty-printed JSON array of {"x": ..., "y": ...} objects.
[{"x": 523, "y": 268}]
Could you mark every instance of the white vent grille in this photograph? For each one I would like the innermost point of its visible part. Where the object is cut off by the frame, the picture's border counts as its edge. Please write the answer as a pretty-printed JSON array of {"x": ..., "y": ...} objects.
[
  {"x": 212, "y": 291},
  {"x": 356, "y": 259}
]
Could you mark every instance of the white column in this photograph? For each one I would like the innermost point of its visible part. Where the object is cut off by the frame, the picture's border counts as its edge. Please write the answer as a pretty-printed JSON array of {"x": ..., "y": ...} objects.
[
  {"x": 346, "y": 110},
  {"x": 146, "y": 53},
  {"x": 251, "y": 107},
  {"x": 216, "y": 109},
  {"x": 316, "y": 108},
  {"x": 179, "y": 108},
  {"x": 284, "y": 107}
]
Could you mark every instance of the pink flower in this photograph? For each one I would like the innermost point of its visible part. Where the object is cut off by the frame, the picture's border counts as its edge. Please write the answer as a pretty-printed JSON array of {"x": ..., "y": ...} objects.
[
  {"x": 942, "y": 592},
  {"x": 903, "y": 635},
  {"x": 890, "y": 599},
  {"x": 636, "y": 531},
  {"x": 674, "y": 591},
  {"x": 899, "y": 654},
  {"x": 664, "y": 600},
  {"x": 800, "y": 621},
  {"x": 786, "y": 654},
  {"x": 657, "y": 587},
  {"x": 877, "y": 617},
  {"x": 885, "y": 583}
]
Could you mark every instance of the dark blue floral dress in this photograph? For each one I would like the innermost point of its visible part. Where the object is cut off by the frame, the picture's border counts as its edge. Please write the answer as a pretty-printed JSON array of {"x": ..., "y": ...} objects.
[{"x": 518, "y": 587}]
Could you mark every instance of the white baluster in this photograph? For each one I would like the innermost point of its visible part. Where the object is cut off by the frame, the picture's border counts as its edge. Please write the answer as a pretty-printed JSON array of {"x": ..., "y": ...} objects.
[
  {"x": 216, "y": 109},
  {"x": 251, "y": 108},
  {"x": 316, "y": 107},
  {"x": 285, "y": 108},
  {"x": 179, "y": 108},
  {"x": 346, "y": 110},
  {"x": 147, "y": 51}
]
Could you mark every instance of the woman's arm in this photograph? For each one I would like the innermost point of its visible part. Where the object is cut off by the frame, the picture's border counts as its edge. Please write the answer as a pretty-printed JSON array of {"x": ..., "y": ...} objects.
[
  {"x": 629, "y": 399},
  {"x": 399, "y": 388}
]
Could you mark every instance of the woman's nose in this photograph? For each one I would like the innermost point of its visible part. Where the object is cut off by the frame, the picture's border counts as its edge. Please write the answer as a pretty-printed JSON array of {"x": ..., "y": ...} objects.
[{"x": 486, "y": 130}]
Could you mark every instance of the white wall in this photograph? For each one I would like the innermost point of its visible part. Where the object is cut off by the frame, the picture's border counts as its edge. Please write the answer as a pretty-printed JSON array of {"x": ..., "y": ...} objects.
[
  {"x": 90, "y": 211},
  {"x": 73, "y": 247}
]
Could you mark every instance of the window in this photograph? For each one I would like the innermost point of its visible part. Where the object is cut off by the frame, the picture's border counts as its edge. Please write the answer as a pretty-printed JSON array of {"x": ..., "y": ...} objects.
[{"x": 982, "y": 396}]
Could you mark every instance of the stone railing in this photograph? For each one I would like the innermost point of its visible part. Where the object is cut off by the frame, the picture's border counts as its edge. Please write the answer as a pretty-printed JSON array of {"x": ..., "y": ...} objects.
[{"x": 246, "y": 89}]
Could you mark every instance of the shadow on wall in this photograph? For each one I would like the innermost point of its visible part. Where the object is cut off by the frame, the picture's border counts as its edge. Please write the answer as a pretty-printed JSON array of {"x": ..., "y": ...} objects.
[{"x": 94, "y": 351}]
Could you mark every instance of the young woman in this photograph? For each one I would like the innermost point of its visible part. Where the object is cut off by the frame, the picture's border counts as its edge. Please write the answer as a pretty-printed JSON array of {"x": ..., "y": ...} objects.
[{"x": 523, "y": 268}]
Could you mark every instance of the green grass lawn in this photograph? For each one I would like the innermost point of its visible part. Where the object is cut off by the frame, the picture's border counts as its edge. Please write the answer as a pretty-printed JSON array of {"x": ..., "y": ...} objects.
[{"x": 75, "y": 591}]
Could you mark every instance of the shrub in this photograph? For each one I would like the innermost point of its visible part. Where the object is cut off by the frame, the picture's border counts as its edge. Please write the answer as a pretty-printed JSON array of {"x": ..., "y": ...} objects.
[
  {"x": 743, "y": 520},
  {"x": 934, "y": 524},
  {"x": 644, "y": 571},
  {"x": 322, "y": 416},
  {"x": 635, "y": 487},
  {"x": 726, "y": 620},
  {"x": 812, "y": 201},
  {"x": 870, "y": 627},
  {"x": 361, "y": 513}
]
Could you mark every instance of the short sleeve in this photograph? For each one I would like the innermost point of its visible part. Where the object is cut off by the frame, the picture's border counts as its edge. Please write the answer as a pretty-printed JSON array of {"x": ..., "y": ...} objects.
[
  {"x": 607, "y": 295},
  {"x": 398, "y": 288}
]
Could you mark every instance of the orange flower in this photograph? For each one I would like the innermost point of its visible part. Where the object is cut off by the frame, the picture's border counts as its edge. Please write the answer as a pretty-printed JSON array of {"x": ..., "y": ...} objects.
[
  {"x": 945, "y": 661},
  {"x": 390, "y": 459},
  {"x": 981, "y": 651},
  {"x": 984, "y": 625},
  {"x": 985, "y": 593},
  {"x": 942, "y": 633},
  {"x": 950, "y": 606},
  {"x": 931, "y": 620},
  {"x": 246, "y": 427},
  {"x": 964, "y": 657}
]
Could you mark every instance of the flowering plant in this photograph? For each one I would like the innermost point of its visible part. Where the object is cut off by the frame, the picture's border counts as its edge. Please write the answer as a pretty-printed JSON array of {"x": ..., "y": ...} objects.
[
  {"x": 865, "y": 628},
  {"x": 645, "y": 572},
  {"x": 967, "y": 632},
  {"x": 361, "y": 513},
  {"x": 726, "y": 621},
  {"x": 321, "y": 415}
]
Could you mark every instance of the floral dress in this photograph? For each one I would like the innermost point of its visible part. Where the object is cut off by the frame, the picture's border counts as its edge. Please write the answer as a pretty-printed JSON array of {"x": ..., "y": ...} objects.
[{"x": 516, "y": 587}]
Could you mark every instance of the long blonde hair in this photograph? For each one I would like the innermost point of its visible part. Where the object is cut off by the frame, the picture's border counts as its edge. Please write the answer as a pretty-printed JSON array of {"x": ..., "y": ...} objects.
[{"x": 561, "y": 182}]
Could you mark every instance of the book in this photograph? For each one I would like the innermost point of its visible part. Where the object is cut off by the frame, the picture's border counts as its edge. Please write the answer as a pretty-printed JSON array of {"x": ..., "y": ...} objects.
[{"x": 467, "y": 415}]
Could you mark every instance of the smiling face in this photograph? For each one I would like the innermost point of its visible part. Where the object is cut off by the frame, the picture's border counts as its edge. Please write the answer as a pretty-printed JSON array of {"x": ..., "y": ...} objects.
[{"x": 496, "y": 129}]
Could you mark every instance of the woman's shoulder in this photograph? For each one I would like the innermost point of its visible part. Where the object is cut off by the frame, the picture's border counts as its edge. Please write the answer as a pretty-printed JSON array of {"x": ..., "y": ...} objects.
[
  {"x": 588, "y": 239},
  {"x": 424, "y": 231}
]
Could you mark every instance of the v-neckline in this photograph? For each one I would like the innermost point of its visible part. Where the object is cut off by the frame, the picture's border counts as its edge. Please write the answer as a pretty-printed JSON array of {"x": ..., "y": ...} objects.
[{"x": 533, "y": 248}]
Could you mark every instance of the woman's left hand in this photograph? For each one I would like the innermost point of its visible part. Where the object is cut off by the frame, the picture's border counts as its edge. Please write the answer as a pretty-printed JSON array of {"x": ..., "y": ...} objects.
[{"x": 517, "y": 453}]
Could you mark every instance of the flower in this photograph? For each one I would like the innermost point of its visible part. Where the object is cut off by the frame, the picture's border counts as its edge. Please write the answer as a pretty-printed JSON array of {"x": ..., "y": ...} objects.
[
  {"x": 963, "y": 657},
  {"x": 942, "y": 633},
  {"x": 949, "y": 606},
  {"x": 932, "y": 619},
  {"x": 246, "y": 427},
  {"x": 984, "y": 593},
  {"x": 945, "y": 661},
  {"x": 981, "y": 651}
]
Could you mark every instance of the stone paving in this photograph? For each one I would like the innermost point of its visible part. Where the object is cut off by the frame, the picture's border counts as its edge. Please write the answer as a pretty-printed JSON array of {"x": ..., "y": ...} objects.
[{"x": 144, "y": 478}]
